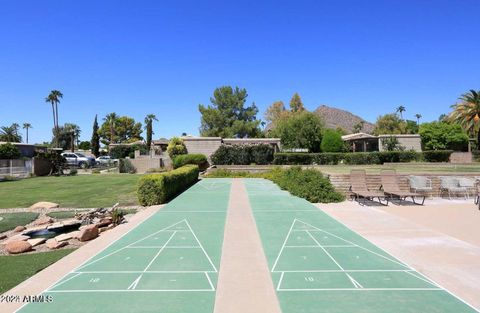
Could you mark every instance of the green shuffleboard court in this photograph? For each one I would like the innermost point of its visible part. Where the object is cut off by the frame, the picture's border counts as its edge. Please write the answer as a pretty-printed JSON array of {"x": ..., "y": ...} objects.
[
  {"x": 319, "y": 265},
  {"x": 169, "y": 263}
]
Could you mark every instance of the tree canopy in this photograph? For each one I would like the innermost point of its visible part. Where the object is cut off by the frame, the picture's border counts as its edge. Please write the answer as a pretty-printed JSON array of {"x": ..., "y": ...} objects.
[
  {"x": 227, "y": 116},
  {"x": 296, "y": 104},
  {"x": 125, "y": 130},
  {"x": 301, "y": 130},
  {"x": 274, "y": 112},
  {"x": 10, "y": 133},
  {"x": 442, "y": 136},
  {"x": 389, "y": 124},
  {"x": 332, "y": 141}
]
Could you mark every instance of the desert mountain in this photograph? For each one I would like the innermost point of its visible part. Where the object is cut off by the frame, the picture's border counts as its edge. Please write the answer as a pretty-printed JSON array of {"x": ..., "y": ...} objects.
[{"x": 334, "y": 118}]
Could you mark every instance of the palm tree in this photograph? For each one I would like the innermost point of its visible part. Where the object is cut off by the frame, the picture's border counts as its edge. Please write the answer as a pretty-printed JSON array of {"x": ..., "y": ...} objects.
[
  {"x": 10, "y": 133},
  {"x": 418, "y": 117},
  {"x": 54, "y": 98},
  {"x": 74, "y": 131},
  {"x": 467, "y": 112},
  {"x": 27, "y": 126},
  {"x": 111, "y": 119},
  {"x": 400, "y": 110},
  {"x": 149, "y": 128}
]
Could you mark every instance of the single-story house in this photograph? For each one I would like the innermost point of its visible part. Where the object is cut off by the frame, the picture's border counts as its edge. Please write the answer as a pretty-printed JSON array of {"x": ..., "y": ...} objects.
[
  {"x": 27, "y": 150},
  {"x": 362, "y": 142}
]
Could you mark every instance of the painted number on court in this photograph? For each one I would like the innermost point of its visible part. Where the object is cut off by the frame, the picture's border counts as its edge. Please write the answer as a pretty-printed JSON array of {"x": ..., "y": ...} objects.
[{"x": 94, "y": 280}]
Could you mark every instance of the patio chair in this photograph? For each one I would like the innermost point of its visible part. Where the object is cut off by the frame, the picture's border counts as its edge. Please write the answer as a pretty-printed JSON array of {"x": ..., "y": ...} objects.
[
  {"x": 359, "y": 189},
  {"x": 392, "y": 189},
  {"x": 477, "y": 192},
  {"x": 420, "y": 184},
  {"x": 468, "y": 183},
  {"x": 451, "y": 185}
]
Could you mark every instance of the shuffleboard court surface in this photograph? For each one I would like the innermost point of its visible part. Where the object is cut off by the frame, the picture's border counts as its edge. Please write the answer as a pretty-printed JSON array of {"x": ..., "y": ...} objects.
[
  {"x": 169, "y": 263},
  {"x": 319, "y": 265}
]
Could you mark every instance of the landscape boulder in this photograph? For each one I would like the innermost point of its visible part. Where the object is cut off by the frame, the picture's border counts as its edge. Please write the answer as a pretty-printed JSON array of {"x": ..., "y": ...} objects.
[
  {"x": 16, "y": 247},
  {"x": 43, "y": 205},
  {"x": 36, "y": 241},
  {"x": 19, "y": 229},
  {"x": 88, "y": 232},
  {"x": 18, "y": 237},
  {"x": 43, "y": 221},
  {"x": 53, "y": 244}
]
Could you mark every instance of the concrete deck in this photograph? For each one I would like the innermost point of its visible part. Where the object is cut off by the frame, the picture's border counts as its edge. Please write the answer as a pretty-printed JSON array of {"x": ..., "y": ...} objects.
[{"x": 440, "y": 239}]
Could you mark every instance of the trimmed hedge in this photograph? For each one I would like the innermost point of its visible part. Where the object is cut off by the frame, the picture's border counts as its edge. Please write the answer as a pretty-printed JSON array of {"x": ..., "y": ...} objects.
[
  {"x": 197, "y": 159},
  {"x": 159, "y": 188},
  {"x": 243, "y": 154},
  {"x": 437, "y": 155},
  {"x": 359, "y": 158}
]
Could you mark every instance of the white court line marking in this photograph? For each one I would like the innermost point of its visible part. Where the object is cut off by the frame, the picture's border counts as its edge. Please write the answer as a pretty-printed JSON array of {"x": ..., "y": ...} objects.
[
  {"x": 121, "y": 249},
  {"x": 327, "y": 246},
  {"x": 63, "y": 282},
  {"x": 201, "y": 246},
  {"x": 170, "y": 247},
  {"x": 135, "y": 283},
  {"x": 209, "y": 281},
  {"x": 159, "y": 251},
  {"x": 147, "y": 272},
  {"x": 346, "y": 271},
  {"x": 280, "y": 280},
  {"x": 421, "y": 278},
  {"x": 354, "y": 282},
  {"x": 283, "y": 247},
  {"x": 125, "y": 290},
  {"x": 365, "y": 289},
  {"x": 368, "y": 250},
  {"x": 326, "y": 252}
]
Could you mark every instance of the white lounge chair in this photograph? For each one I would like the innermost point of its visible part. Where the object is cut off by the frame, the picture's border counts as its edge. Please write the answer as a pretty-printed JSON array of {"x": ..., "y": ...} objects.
[{"x": 451, "y": 185}]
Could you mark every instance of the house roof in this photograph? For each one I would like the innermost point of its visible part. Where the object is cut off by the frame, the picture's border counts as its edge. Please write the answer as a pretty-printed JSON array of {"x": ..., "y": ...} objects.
[{"x": 357, "y": 136}]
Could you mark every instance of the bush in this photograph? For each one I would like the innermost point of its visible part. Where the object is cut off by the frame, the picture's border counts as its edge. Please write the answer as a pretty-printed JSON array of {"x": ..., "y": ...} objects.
[
  {"x": 308, "y": 184},
  {"x": 437, "y": 155},
  {"x": 197, "y": 159},
  {"x": 121, "y": 152},
  {"x": 398, "y": 156},
  {"x": 57, "y": 162},
  {"x": 353, "y": 158},
  {"x": 125, "y": 166},
  {"x": 243, "y": 154},
  {"x": 332, "y": 141},
  {"x": 9, "y": 151},
  {"x": 160, "y": 188},
  {"x": 359, "y": 158},
  {"x": 176, "y": 147}
]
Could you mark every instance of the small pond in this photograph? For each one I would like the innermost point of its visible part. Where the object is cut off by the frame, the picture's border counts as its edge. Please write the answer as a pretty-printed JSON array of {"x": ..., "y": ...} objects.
[{"x": 53, "y": 232}]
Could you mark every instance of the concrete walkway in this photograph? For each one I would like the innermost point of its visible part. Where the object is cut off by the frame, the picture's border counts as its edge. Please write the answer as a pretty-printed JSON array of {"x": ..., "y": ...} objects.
[
  {"x": 426, "y": 244},
  {"x": 244, "y": 282}
]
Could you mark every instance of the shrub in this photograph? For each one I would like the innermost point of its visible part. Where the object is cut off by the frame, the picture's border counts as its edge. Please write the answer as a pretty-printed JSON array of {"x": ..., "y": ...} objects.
[
  {"x": 293, "y": 158},
  {"x": 354, "y": 158},
  {"x": 160, "y": 188},
  {"x": 125, "y": 166},
  {"x": 57, "y": 162},
  {"x": 176, "y": 147},
  {"x": 437, "y": 155},
  {"x": 121, "y": 152},
  {"x": 308, "y": 184},
  {"x": 9, "y": 151},
  {"x": 243, "y": 154},
  {"x": 358, "y": 158},
  {"x": 73, "y": 172},
  {"x": 398, "y": 156},
  {"x": 443, "y": 136},
  {"x": 197, "y": 159},
  {"x": 332, "y": 141}
]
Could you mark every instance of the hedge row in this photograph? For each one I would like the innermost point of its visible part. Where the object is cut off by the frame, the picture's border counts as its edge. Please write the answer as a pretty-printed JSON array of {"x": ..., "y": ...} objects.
[
  {"x": 243, "y": 154},
  {"x": 358, "y": 158},
  {"x": 197, "y": 159},
  {"x": 159, "y": 188}
]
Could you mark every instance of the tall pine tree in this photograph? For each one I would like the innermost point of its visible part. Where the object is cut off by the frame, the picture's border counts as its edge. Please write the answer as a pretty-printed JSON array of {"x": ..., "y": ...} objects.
[
  {"x": 95, "y": 142},
  {"x": 296, "y": 104}
]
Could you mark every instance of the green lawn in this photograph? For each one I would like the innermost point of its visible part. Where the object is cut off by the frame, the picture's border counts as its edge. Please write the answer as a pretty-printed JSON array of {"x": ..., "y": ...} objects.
[
  {"x": 62, "y": 214},
  {"x": 11, "y": 220},
  {"x": 14, "y": 269},
  {"x": 82, "y": 191}
]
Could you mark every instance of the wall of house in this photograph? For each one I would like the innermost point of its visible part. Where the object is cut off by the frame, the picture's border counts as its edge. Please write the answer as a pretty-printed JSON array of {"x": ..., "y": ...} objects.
[
  {"x": 203, "y": 145},
  {"x": 409, "y": 142}
]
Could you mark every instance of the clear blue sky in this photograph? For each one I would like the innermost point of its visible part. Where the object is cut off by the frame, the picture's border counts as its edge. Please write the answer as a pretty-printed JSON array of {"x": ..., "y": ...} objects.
[{"x": 166, "y": 57}]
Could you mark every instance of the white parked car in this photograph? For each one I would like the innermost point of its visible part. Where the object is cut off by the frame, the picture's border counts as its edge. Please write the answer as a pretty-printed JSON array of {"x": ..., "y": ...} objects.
[{"x": 106, "y": 160}]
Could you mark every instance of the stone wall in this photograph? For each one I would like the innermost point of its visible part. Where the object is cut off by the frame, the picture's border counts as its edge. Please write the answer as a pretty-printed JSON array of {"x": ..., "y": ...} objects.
[
  {"x": 143, "y": 164},
  {"x": 461, "y": 157},
  {"x": 409, "y": 142}
]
